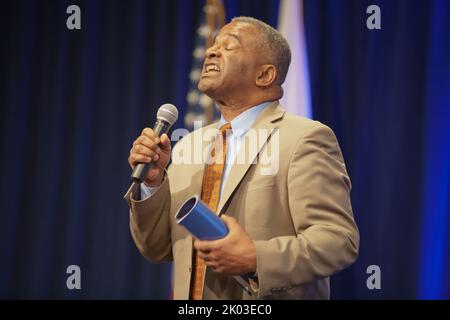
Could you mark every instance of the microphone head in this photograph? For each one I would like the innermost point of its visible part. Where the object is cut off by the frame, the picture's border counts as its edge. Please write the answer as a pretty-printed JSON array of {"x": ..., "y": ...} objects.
[{"x": 168, "y": 113}]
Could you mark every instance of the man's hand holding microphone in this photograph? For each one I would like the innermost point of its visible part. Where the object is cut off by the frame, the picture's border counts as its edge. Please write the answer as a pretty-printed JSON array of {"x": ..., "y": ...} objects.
[
  {"x": 147, "y": 148},
  {"x": 150, "y": 153}
]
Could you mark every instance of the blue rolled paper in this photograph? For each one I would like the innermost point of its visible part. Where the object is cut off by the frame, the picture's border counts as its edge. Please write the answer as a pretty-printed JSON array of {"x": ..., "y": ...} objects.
[
  {"x": 200, "y": 221},
  {"x": 204, "y": 224}
]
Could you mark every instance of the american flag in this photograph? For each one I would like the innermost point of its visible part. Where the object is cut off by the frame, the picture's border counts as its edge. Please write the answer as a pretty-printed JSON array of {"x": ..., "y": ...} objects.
[{"x": 200, "y": 106}]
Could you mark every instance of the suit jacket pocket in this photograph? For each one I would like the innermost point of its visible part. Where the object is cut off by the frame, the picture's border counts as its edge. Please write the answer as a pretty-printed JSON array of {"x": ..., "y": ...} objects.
[
  {"x": 260, "y": 183},
  {"x": 260, "y": 210}
]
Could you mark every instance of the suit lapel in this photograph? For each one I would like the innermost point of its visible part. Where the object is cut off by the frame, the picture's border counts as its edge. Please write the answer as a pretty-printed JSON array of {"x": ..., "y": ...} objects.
[
  {"x": 199, "y": 169},
  {"x": 265, "y": 121},
  {"x": 196, "y": 180}
]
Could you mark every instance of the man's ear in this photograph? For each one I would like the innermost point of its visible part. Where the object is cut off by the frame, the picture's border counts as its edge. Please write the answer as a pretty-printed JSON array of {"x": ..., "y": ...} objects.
[{"x": 267, "y": 74}]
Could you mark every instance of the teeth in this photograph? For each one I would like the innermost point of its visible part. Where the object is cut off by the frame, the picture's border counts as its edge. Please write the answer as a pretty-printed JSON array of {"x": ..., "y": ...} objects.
[{"x": 212, "y": 67}]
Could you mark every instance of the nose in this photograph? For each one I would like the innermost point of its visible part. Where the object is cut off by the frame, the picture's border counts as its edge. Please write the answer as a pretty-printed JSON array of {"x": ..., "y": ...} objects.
[{"x": 213, "y": 52}]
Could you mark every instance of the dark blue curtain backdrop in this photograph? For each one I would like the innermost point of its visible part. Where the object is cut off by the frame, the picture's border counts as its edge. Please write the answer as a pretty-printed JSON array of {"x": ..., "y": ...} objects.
[
  {"x": 386, "y": 94},
  {"x": 72, "y": 102}
]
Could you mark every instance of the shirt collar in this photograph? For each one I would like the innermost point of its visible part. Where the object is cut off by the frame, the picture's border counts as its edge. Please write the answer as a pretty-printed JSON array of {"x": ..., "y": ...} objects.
[{"x": 244, "y": 121}]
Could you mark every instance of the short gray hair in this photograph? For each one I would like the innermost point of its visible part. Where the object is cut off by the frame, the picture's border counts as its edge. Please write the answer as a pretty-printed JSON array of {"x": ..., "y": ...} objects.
[{"x": 276, "y": 45}]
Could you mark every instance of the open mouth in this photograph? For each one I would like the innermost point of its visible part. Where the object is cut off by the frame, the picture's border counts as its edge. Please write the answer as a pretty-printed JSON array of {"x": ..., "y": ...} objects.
[{"x": 210, "y": 68}]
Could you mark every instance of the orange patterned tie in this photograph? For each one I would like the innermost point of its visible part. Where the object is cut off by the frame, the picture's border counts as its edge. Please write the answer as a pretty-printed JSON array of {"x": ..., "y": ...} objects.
[{"x": 212, "y": 180}]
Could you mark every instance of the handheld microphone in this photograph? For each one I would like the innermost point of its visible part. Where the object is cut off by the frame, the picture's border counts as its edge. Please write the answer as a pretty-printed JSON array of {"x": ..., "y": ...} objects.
[{"x": 165, "y": 118}]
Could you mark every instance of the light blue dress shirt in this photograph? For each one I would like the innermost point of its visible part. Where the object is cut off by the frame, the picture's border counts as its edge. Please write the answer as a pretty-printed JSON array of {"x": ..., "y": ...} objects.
[{"x": 239, "y": 126}]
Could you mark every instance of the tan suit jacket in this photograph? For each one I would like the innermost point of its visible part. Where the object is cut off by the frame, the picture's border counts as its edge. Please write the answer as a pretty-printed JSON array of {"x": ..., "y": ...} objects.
[{"x": 300, "y": 218}]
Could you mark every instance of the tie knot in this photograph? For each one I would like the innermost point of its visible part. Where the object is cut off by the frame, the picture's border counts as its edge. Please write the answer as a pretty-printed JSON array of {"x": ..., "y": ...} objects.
[{"x": 223, "y": 129}]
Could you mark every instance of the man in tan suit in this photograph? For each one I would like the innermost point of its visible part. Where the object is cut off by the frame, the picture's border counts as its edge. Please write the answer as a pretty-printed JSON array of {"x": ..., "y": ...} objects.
[{"x": 290, "y": 219}]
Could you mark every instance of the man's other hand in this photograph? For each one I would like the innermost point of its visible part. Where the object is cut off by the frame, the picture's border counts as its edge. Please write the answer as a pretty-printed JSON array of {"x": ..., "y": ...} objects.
[{"x": 234, "y": 255}]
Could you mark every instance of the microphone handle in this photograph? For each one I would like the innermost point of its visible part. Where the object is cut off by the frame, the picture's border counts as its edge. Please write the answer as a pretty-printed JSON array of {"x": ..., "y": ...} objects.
[{"x": 140, "y": 170}]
